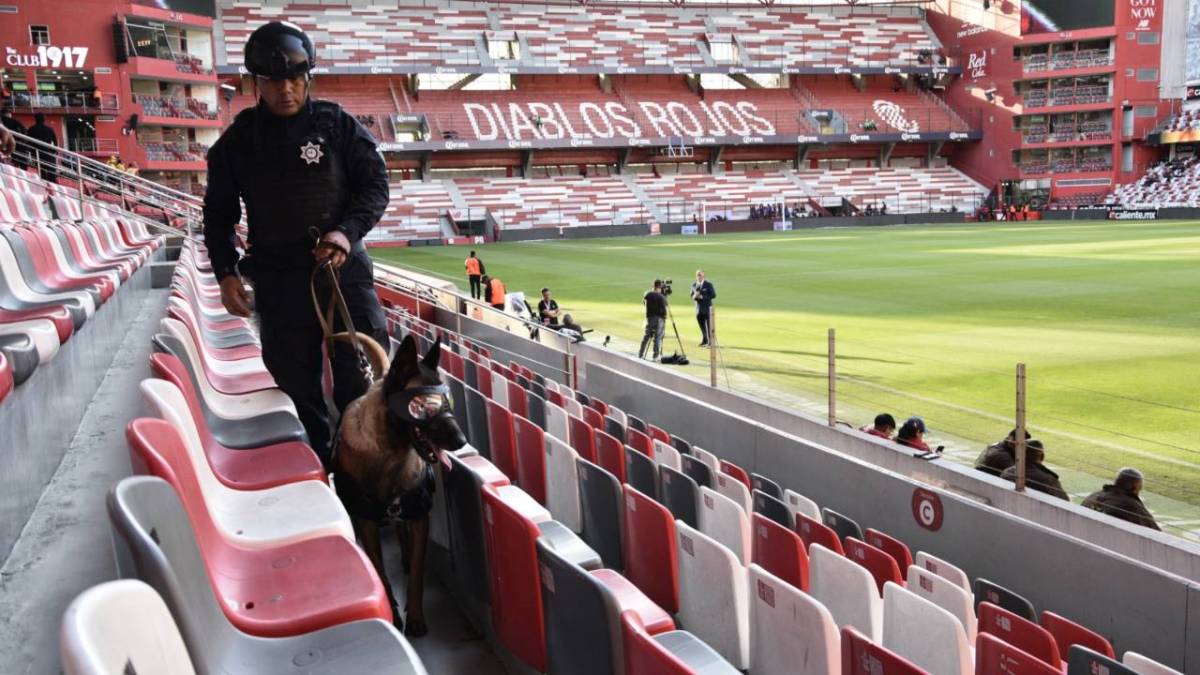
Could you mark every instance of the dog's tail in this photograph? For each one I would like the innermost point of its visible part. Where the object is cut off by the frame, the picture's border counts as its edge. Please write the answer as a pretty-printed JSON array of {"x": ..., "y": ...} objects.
[{"x": 375, "y": 354}]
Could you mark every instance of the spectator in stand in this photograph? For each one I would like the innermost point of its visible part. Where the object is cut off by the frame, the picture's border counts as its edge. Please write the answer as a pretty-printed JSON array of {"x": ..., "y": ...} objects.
[
  {"x": 912, "y": 434},
  {"x": 571, "y": 329},
  {"x": 885, "y": 426},
  {"x": 883, "y": 209},
  {"x": 494, "y": 292},
  {"x": 1121, "y": 499},
  {"x": 8, "y": 144},
  {"x": 656, "y": 320},
  {"x": 47, "y": 160},
  {"x": 1037, "y": 475},
  {"x": 474, "y": 274},
  {"x": 547, "y": 309},
  {"x": 132, "y": 169},
  {"x": 997, "y": 457},
  {"x": 10, "y": 123}
]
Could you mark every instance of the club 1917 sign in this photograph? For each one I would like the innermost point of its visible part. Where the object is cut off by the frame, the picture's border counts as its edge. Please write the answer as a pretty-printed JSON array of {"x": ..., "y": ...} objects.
[
  {"x": 47, "y": 56},
  {"x": 927, "y": 509}
]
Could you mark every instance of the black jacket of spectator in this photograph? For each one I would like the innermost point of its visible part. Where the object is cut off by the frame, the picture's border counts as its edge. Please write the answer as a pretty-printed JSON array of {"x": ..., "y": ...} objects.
[
  {"x": 1118, "y": 503},
  {"x": 1038, "y": 477},
  {"x": 656, "y": 305},
  {"x": 43, "y": 133},
  {"x": 544, "y": 307},
  {"x": 996, "y": 458}
]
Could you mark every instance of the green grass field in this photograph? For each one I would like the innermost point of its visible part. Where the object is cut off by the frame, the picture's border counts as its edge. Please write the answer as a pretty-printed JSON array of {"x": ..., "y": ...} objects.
[{"x": 930, "y": 321}]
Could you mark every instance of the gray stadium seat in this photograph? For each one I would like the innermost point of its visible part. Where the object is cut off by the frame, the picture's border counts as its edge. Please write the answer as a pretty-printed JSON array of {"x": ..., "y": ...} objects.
[
  {"x": 681, "y": 445},
  {"x": 697, "y": 470},
  {"x": 22, "y": 353},
  {"x": 464, "y": 507},
  {"x": 537, "y": 409},
  {"x": 679, "y": 493},
  {"x": 538, "y": 388},
  {"x": 987, "y": 591},
  {"x": 761, "y": 482},
  {"x": 636, "y": 423},
  {"x": 1083, "y": 661},
  {"x": 477, "y": 420},
  {"x": 614, "y": 428},
  {"x": 579, "y": 633},
  {"x": 641, "y": 472},
  {"x": 842, "y": 525},
  {"x": 459, "y": 396},
  {"x": 600, "y": 502},
  {"x": 772, "y": 508},
  {"x": 153, "y": 534}
]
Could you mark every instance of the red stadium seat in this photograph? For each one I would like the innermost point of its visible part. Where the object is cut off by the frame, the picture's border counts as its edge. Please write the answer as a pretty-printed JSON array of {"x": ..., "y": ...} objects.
[
  {"x": 639, "y": 441},
  {"x": 860, "y": 656},
  {"x": 646, "y": 656},
  {"x": 511, "y": 529},
  {"x": 518, "y": 399},
  {"x": 556, "y": 398},
  {"x": 731, "y": 469},
  {"x": 593, "y": 417},
  {"x": 1067, "y": 633},
  {"x": 600, "y": 406},
  {"x": 326, "y": 581},
  {"x": 582, "y": 438},
  {"x": 815, "y": 532},
  {"x": 994, "y": 656},
  {"x": 483, "y": 376},
  {"x": 881, "y": 565},
  {"x": 658, "y": 434},
  {"x": 6, "y": 377},
  {"x": 648, "y": 546},
  {"x": 610, "y": 454},
  {"x": 501, "y": 440},
  {"x": 531, "y": 458},
  {"x": 246, "y": 469},
  {"x": 779, "y": 551},
  {"x": 893, "y": 547},
  {"x": 1018, "y": 632}
]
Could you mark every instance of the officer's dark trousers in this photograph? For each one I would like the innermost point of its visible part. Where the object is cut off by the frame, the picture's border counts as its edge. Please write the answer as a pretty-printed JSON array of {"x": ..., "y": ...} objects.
[
  {"x": 476, "y": 287},
  {"x": 702, "y": 319}
]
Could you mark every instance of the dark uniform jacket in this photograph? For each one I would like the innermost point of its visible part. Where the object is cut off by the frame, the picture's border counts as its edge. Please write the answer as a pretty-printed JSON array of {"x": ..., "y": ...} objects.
[
  {"x": 996, "y": 458},
  {"x": 1119, "y": 503},
  {"x": 1038, "y": 477},
  {"x": 317, "y": 169},
  {"x": 703, "y": 294}
]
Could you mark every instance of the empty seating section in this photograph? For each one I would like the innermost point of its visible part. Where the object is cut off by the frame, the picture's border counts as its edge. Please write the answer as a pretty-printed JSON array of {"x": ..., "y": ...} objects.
[
  {"x": 730, "y": 194},
  {"x": 1175, "y": 183},
  {"x": 554, "y": 202},
  {"x": 887, "y": 107},
  {"x": 903, "y": 190},
  {"x": 414, "y": 211},
  {"x": 358, "y": 35}
]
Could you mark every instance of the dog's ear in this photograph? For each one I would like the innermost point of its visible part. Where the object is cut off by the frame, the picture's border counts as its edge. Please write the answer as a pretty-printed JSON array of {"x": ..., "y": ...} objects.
[
  {"x": 403, "y": 364},
  {"x": 434, "y": 354}
]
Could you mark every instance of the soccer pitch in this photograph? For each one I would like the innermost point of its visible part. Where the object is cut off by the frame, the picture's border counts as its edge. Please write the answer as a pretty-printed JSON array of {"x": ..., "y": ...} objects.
[{"x": 930, "y": 321}]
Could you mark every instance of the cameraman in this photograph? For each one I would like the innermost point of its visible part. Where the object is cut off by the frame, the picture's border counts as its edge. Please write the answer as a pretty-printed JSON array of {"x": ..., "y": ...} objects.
[
  {"x": 703, "y": 293},
  {"x": 656, "y": 319}
]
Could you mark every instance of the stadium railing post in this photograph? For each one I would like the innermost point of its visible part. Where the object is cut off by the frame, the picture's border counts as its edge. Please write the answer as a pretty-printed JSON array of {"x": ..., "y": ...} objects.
[
  {"x": 712, "y": 345},
  {"x": 1020, "y": 426},
  {"x": 832, "y": 407}
]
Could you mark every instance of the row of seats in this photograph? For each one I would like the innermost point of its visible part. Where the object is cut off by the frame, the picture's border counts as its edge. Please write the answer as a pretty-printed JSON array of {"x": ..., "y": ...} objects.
[
  {"x": 58, "y": 264},
  {"x": 758, "y": 573},
  {"x": 248, "y": 558},
  {"x": 569, "y": 36},
  {"x": 1175, "y": 183}
]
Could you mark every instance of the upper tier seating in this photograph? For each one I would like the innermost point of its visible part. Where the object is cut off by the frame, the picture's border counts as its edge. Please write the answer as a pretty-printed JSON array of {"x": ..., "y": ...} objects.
[
  {"x": 414, "y": 211},
  {"x": 891, "y": 109},
  {"x": 561, "y": 201},
  {"x": 1174, "y": 183},
  {"x": 1183, "y": 120},
  {"x": 570, "y": 36}
]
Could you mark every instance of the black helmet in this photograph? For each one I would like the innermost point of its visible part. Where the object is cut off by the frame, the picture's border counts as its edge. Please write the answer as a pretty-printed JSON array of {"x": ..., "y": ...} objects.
[{"x": 279, "y": 50}]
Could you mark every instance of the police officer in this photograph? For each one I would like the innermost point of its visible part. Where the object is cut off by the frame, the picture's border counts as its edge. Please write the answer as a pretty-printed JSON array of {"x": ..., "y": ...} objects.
[{"x": 314, "y": 185}]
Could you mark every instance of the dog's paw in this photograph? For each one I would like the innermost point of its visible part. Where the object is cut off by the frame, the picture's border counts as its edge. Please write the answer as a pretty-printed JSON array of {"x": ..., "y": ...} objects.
[{"x": 416, "y": 627}]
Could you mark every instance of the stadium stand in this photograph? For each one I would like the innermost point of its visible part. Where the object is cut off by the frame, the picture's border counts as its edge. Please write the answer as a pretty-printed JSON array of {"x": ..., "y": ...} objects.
[
  {"x": 415, "y": 210},
  {"x": 879, "y": 102},
  {"x": 1168, "y": 184},
  {"x": 555, "y": 201},
  {"x": 902, "y": 190}
]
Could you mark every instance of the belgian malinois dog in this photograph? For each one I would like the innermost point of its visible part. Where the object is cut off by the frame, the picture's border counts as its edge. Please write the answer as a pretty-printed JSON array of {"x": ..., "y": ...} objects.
[{"x": 388, "y": 445}]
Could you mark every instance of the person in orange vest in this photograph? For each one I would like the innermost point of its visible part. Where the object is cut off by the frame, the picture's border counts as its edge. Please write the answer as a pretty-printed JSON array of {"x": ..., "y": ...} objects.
[
  {"x": 474, "y": 272},
  {"x": 493, "y": 290}
]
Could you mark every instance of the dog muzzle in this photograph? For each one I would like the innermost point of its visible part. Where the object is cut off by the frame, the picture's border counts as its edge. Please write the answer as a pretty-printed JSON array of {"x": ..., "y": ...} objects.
[{"x": 429, "y": 412}]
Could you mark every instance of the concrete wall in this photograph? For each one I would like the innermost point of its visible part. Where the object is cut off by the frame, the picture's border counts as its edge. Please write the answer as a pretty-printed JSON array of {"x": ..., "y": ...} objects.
[
  {"x": 588, "y": 232},
  {"x": 39, "y": 418},
  {"x": 1138, "y": 606}
]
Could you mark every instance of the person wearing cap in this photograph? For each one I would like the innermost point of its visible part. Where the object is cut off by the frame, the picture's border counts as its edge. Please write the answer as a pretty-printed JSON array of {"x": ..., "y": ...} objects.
[
  {"x": 314, "y": 184},
  {"x": 1037, "y": 475},
  {"x": 1122, "y": 499},
  {"x": 997, "y": 457},
  {"x": 885, "y": 426},
  {"x": 912, "y": 434}
]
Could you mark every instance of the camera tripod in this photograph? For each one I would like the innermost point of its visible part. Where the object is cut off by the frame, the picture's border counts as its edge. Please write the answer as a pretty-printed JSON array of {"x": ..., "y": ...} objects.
[{"x": 679, "y": 358}]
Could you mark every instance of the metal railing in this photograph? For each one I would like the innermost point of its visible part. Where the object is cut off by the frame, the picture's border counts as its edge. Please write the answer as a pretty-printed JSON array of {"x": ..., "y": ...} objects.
[{"x": 70, "y": 102}]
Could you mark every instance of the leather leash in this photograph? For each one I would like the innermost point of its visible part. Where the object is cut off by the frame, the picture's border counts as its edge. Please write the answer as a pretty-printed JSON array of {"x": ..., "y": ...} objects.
[{"x": 337, "y": 304}]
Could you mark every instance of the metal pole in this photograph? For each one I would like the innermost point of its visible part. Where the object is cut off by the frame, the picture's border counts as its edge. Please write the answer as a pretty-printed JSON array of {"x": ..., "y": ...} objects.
[
  {"x": 832, "y": 406},
  {"x": 712, "y": 345},
  {"x": 1020, "y": 439}
]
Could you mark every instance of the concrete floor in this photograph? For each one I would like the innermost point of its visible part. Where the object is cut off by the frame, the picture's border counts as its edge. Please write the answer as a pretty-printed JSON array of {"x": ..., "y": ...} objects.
[{"x": 65, "y": 546}]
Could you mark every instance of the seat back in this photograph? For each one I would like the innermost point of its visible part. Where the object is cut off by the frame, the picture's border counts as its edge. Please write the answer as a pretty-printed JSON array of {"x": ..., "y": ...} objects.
[
  {"x": 666, "y": 455},
  {"x": 679, "y": 493},
  {"x": 483, "y": 378},
  {"x": 798, "y": 503},
  {"x": 846, "y": 589},
  {"x": 658, "y": 434},
  {"x": 842, "y": 525},
  {"x": 713, "y": 601},
  {"x": 735, "y": 490},
  {"x": 511, "y": 520},
  {"x": 722, "y": 519},
  {"x": 942, "y": 569},
  {"x": 562, "y": 483},
  {"x": 770, "y": 487},
  {"x": 1067, "y": 633},
  {"x": 636, "y": 423},
  {"x": 1018, "y": 632},
  {"x": 518, "y": 399},
  {"x": 477, "y": 421},
  {"x": 697, "y": 470},
  {"x": 649, "y": 548},
  {"x": 730, "y": 469},
  {"x": 988, "y": 591},
  {"x": 155, "y": 542},
  {"x": 639, "y": 441},
  {"x": 610, "y": 454},
  {"x": 947, "y": 595},
  {"x": 924, "y": 633},
  {"x": 641, "y": 472},
  {"x": 594, "y": 419},
  {"x": 862, "y": 656},
  {"x": 582, "y": 439},
  {"x": 1145, "y": 666},
  {"x": 501, "y": 439},
  {"x": 614, "y": 428},
  {"x": 707, "y": 457},
  {"x": 893, "y": 547},
  {"x": 772, "y": 508},
  {"x": 816, "y": 532},
  {"x": 458, "y": 397},
  {"x": 600, "y": 512},
  {"x": 790, "y": 632},
  {"x": 1084, "y": 661},
  {"x": 881, "y": 565},
  {"x": 531, "y": 457},
  {"x": 780, "y": 551},
  {"x": 643, "y": 654},
  {"x": 536, "y": 407},
  {"x": 994, "y": 656},
  {"x": 98, "y": 637},
  {"x": 681, "y": 445},
  {"x": 464, "y": 485},
  {"x": 581, "y": 621}
]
